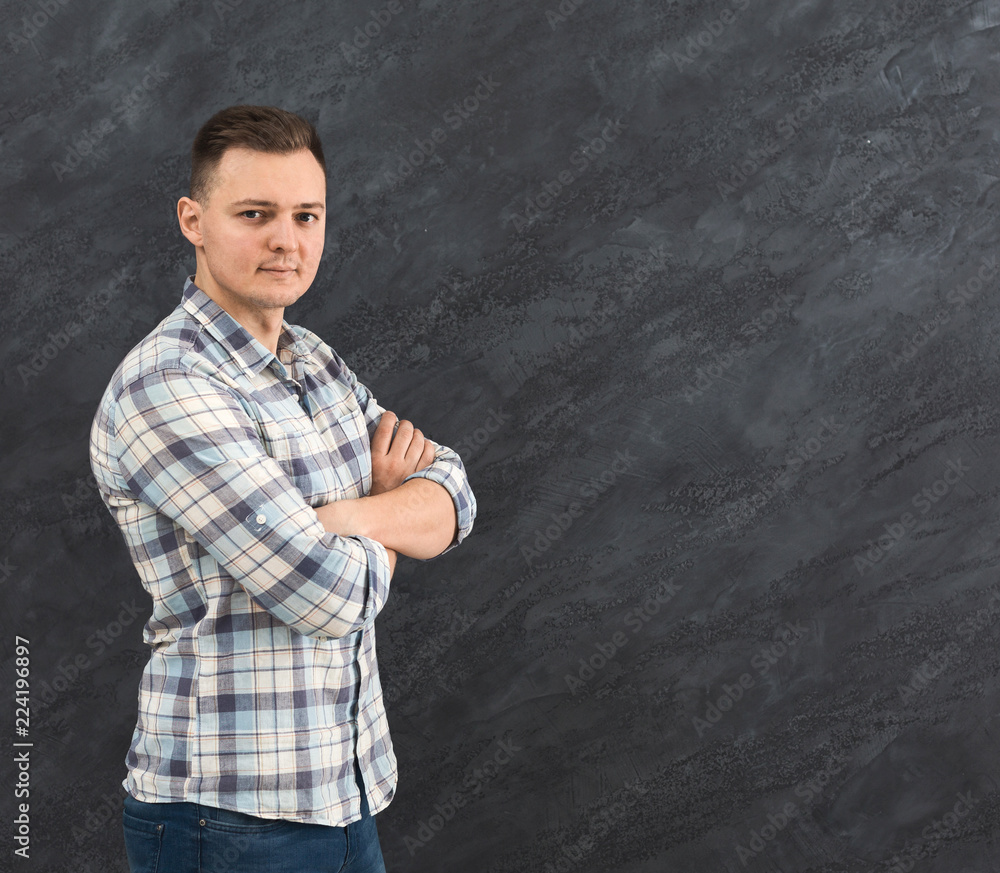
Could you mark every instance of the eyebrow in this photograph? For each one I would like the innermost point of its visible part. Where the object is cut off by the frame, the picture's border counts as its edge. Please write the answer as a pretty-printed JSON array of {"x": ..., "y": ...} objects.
[{"x": 251, "y": 202}]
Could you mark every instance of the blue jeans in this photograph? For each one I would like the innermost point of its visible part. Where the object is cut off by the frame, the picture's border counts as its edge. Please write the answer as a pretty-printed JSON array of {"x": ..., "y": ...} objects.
[{"x": 191, "y": 838}]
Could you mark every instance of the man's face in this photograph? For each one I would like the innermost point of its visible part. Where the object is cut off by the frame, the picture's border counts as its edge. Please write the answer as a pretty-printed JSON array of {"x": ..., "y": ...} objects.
[{"x": 260, "y": 234}]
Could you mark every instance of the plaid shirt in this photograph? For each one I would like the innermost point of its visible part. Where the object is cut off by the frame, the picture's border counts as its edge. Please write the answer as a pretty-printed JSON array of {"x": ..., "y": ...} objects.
[{"x": 262, "y": 685}]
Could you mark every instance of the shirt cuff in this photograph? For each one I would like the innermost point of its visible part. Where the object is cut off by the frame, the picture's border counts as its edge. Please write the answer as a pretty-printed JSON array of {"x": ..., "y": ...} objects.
[
  {"x": 379, "y": 575},
  {"x": 452, "y": 477}
]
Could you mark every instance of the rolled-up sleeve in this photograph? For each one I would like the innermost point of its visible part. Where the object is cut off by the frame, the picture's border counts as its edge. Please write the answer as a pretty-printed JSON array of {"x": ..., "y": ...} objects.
[
  {"x": 446, "y": 469},
  {"x": 187, "y": 447}
]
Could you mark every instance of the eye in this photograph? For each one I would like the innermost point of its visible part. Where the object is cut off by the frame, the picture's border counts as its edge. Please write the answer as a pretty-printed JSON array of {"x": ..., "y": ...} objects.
[
  {"x": 310, "y": 215},
  {"x": 254, "y": 211}
]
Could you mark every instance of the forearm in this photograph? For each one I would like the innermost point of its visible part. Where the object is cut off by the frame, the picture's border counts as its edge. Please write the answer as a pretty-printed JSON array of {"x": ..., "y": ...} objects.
[{"x": 417, "y": 519}]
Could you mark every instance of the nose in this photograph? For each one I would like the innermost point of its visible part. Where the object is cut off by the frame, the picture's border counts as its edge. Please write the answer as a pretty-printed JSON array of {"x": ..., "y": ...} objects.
[{"x": 283, "y": 234}]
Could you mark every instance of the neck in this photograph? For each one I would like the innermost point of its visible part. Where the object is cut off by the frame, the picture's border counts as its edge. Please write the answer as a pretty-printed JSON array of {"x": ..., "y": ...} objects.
[{"x": 262, "y": 323}]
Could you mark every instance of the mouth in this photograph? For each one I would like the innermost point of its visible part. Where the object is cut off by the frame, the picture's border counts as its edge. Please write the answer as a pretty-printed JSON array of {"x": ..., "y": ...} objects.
[{"x": 280, "y": 272}]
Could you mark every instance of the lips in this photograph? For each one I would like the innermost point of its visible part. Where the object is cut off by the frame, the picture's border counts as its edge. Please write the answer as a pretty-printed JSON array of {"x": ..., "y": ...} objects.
[{"x": 278, "y": 269}]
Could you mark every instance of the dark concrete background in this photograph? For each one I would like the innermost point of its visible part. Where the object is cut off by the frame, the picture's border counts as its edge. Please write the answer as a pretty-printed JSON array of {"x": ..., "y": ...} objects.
[{"x": 726, "y": 392}]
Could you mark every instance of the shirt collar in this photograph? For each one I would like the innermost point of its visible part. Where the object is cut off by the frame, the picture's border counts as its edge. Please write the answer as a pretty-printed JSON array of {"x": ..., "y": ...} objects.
[{"x": 249, "y": 352}]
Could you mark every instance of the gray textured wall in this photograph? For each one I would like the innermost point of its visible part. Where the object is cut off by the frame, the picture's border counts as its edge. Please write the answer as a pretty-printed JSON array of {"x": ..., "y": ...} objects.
[{"x": 705, "y": 295}]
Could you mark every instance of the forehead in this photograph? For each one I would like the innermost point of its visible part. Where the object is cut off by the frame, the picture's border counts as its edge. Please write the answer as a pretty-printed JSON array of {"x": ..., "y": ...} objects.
[{"x": 243, "y": 173}]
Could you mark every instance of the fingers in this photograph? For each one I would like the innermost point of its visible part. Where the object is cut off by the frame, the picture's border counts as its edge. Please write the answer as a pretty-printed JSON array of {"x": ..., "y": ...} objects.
[
  {"x": 403, "y": 447},
  {"x": 427, "y": 456},
  {"x": 401, "y": 441},
  {"x": 382, "y": 437},
  {"x": 415, "y": 448}
]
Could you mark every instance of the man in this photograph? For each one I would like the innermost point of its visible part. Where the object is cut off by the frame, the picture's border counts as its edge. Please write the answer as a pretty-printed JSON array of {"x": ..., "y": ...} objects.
[{"x": 263, "y": 495}]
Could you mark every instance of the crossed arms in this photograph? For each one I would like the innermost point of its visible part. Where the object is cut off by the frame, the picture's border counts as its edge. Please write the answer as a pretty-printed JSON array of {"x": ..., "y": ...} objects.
[
  {"x": 416, "y": 518},
  {"x": 178, "y": 447}
]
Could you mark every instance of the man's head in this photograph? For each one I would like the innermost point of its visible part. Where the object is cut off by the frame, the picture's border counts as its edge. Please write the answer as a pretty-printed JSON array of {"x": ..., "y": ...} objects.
[
  {"x": 258, "y": 128},
  {"x": 257, "y": 203}
]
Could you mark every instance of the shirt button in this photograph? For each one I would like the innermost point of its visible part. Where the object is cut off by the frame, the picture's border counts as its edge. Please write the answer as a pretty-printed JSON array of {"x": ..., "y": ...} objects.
[{"x": 261, "y": 519}]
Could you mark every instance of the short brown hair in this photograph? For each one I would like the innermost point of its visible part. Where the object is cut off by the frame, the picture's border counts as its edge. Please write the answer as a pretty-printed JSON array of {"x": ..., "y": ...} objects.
[{"x": 261, "y": 128}]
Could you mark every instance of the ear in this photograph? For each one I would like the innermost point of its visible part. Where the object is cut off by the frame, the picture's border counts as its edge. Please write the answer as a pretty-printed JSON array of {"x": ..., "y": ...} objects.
[{"x": 189, "y": 218}]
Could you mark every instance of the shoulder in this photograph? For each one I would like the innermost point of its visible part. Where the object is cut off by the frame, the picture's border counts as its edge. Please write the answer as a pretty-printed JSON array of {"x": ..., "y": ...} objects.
[{"x": 178, "y": 344}]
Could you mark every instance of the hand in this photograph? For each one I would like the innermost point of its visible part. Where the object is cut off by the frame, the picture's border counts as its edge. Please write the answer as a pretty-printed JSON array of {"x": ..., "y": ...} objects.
[{"x": 397, "y": 453}]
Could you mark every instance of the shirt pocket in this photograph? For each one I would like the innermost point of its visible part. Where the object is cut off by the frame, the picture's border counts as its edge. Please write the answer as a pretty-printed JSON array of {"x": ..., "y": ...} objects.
[{"x": 313, "y": 466}]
